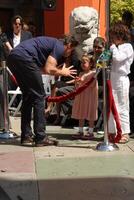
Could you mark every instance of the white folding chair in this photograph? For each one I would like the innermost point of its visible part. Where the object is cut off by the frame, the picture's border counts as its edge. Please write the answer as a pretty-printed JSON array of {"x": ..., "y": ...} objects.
[
  {"x": 12, "y": 94},
  {"x": 47, "y": 81}
]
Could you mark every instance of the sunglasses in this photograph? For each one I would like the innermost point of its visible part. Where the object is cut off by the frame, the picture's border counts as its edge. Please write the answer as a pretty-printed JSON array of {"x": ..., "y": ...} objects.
[
  {"x": 17, "y": 24},
  {"x": 97, "y": 47}
]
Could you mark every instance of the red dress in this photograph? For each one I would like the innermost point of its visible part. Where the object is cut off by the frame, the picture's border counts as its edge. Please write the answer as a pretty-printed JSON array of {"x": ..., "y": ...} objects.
[{"x": 85, "y": 104}]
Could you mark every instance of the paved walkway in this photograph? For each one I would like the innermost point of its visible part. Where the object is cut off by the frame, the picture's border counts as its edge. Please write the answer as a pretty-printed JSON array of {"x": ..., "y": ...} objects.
[{"x": 72, "y": 171}]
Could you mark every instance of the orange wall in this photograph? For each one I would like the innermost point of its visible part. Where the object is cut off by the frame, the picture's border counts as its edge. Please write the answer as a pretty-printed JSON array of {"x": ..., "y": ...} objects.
[
  {"x": 54, "y": 20},
  {"x": 56, "y": 23},
  {"x": 101, "y": 5}
]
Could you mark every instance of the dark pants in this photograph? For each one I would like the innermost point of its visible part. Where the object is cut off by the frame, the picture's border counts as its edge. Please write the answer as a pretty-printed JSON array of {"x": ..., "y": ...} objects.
[
  {"x": 66, "y": 105},
  {"x": 131, "y": 95},
  {"x": 28, "y": 76}
]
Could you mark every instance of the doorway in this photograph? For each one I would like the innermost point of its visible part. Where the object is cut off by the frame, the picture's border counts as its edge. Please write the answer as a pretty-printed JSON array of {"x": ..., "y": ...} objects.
[{"x": 5, "y": 18}]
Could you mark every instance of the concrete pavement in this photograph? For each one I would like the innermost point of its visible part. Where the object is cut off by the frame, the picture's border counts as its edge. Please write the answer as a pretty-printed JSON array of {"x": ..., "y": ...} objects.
[{"x": 73, "y": 170}]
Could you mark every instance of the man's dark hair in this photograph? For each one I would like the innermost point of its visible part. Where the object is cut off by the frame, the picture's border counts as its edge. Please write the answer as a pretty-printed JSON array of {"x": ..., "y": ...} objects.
[
  {"x": 127, "y": 15},
  {"x": 70, "y": 39}
]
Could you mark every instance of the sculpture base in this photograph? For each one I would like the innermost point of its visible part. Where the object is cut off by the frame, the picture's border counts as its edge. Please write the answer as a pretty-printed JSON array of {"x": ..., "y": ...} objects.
[{"x": 107, "y": 147}]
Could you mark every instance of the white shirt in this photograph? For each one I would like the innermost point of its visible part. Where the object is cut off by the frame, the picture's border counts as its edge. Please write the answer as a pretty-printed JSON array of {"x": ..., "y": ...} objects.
[
  {"x": 122, "y": 58},
  {"x": 16, "y": 40}
]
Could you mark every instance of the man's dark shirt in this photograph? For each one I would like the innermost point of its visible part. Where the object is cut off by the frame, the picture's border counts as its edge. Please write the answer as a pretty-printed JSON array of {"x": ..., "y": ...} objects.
[{"x": 38, "y": 49}]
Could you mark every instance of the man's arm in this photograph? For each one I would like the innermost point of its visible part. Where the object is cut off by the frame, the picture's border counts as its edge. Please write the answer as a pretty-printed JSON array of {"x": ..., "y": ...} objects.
[{"x": 52, "y": 68}]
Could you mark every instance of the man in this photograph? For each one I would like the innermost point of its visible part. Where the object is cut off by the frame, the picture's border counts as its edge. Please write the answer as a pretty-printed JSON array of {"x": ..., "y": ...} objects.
[
  {"x": 127, "y": 19},
  {"x": 27, "y": 62}
]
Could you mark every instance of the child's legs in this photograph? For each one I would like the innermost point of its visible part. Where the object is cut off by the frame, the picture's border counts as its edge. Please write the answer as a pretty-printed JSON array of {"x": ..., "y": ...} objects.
[
  {"x": 81, "y": 122},
  {"x": 81, "y": 125},
  {"x": 91, "y": 124},
  {"x": 91, "y": 127}
]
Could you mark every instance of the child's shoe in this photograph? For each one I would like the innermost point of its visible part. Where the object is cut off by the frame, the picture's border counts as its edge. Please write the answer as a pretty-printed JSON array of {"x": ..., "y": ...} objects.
[
  {"x": 78, "y": 136},
  {"x": 88, "y": 136}
]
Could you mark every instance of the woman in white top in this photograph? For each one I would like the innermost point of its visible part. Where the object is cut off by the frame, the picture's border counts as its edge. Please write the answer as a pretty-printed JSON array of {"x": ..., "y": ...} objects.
[{"x": 122, "y": 58}]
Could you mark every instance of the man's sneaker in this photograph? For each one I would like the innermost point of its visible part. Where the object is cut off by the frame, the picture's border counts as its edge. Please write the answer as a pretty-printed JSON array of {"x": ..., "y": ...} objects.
[
  {"x": 29, "y": 140},
  {"x": 46, "y": 142}
]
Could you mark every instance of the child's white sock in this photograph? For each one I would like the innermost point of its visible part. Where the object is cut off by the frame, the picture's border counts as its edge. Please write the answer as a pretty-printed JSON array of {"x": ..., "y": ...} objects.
[
  {"x": 90, "y": 130},
  {"x": 81, "y": 129}
]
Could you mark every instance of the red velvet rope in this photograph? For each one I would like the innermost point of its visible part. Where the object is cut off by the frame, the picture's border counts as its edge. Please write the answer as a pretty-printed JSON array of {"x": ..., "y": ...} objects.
[
  {"x": 112, "y": 107},
  {"x": 12, "y": 76},
  {"x": 71, "y": 94},
  {"x": 14, "y": 80}
]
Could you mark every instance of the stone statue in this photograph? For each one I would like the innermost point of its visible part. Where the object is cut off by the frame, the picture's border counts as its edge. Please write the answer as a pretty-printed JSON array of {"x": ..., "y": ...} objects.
[{"x": 84, "y": 27}]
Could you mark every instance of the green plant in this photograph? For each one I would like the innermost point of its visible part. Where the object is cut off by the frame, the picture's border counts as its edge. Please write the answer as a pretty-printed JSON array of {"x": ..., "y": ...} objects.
[{"x": 118, "y": 7}]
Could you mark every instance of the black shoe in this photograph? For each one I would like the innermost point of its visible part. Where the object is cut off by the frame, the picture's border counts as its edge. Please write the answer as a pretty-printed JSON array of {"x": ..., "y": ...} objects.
[
  {"x": 46, "y": 142},
  {"x": 29, "y": 140}
]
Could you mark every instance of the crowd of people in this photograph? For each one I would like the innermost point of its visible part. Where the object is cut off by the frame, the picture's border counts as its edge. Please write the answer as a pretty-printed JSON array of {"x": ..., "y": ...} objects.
[{"x": 29, "y": 57}]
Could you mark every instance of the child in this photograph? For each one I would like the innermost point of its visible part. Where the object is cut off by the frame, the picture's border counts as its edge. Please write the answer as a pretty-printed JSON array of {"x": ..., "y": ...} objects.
[
  {"x": 122, "y": 58},
  {"x": 86, "y": 103}
]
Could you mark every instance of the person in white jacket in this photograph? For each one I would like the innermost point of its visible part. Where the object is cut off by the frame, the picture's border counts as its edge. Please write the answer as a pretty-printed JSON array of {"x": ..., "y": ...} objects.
[{"x": 122, "y": 58}]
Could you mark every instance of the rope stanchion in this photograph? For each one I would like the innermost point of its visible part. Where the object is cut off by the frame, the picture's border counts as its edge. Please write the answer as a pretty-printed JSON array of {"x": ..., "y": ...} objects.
[
  {"x": 5, "y": 133},
  {"x": 106, "y": 145},
  {"x": 112, "y": 107}
]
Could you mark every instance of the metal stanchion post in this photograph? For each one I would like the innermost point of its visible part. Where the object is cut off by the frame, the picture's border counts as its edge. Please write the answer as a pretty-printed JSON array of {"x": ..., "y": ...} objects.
[
  {"x": 5, "y": 134},
  {"x": 105, "y": 146},
  {"x": 5, "y": 90}
]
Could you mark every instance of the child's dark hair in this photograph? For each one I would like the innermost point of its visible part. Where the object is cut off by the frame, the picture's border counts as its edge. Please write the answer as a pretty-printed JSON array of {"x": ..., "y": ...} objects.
[{"x": 120, "y": 31}]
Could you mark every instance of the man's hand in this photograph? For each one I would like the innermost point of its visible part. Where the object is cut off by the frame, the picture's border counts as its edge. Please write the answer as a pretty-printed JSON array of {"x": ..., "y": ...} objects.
[
  {"x": 68, "y": 71},
  {"x": 52, "y": 68}
]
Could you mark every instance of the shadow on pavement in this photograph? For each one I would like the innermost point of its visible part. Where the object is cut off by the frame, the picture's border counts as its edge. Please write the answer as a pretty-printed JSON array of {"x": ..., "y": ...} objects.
[
  {"x": 3, "y": 195},
  {"x": 60, "y": 137},
  {"x": 89, "y": 188},
  {"x": 14, "y": 141}
]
